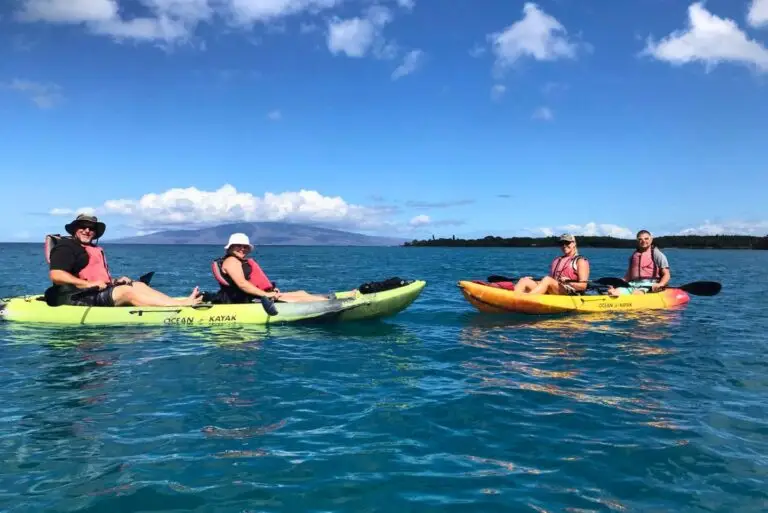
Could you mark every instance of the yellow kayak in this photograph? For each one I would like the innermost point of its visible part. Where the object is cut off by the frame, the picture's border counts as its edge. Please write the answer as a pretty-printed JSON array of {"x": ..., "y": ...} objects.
[
  {"x": 345, "y": 306},
  {"x": 488, "y": 298}
]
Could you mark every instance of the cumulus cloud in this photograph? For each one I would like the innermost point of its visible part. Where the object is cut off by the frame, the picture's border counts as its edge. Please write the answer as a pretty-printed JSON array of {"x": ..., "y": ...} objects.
[
  {"x": 44, "y": 95},
  {"x": 355, "y": 37},
  {"x": 537, "y": 35},
  {"x": 169, "y": 21},
  {"x": 757, "y": 228},
  {"x": 543, "y": 114},
  {"x": 191, "y": 206},
  {"x": 710, "y": 40},
  {"x": 758, "y": 13},
  {"x": 589, "y": 229},
  {"x": 412, "y": 61},
  {"x": 406, "y": 4}
]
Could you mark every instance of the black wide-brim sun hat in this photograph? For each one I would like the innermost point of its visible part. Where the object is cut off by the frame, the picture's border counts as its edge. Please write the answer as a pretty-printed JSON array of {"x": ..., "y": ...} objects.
[{"x": 85, "y": 219}]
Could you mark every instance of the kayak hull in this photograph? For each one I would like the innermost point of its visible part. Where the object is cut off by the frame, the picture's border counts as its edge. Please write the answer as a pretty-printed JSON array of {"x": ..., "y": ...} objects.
[
  {"x": 496, "y": 300},
  {"x": 346, "y": 306}
]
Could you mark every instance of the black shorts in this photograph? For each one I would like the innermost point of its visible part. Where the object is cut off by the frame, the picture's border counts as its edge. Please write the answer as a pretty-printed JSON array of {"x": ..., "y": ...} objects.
[{"x": 100, "y": 298}]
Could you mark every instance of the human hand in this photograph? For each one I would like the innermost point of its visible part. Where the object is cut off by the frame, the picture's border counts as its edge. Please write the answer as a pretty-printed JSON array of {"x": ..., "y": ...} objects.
[
  {"x": 656, "y": 287},
  {"x": 100, "y": 284},
  {"x": 124, "y": 280}
]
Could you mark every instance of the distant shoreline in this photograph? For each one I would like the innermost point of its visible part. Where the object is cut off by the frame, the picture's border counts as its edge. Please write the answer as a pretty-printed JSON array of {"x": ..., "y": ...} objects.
[{"x": 673, "y": 241}]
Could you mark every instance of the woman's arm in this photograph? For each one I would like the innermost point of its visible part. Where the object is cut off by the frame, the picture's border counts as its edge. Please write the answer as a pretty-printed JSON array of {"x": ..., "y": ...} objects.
[{"x": 582, "y": 269}]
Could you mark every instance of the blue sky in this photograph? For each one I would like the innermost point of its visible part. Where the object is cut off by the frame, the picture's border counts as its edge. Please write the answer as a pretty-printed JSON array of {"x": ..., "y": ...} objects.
[{"x": 397, "y": 117}]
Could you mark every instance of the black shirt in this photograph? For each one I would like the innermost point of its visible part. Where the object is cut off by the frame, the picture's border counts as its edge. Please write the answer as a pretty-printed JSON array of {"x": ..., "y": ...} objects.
[{"x": 66, "y": 257}]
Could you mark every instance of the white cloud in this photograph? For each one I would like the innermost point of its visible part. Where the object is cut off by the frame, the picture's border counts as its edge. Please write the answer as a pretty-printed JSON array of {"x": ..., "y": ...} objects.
[
  {"x": 758, "y": 228},
  {"x": 412, "y": 61},
  {"x": 758, "y": 13},
  {"x": 356, "y": 36},
  {"x": 68, "y": 11},
  {"x": 61, "y": 212},
  {"x": 497, "y": 91},
  {"x": 420, "y": 220},
  {"x": 191, "y": 206},
  {"x": 72, "y": 212},
  {"x": 353, "y": 36},
  {"x": 589, "y": 229},
  {"x": 169, "y": 20},
  {"x": 537, "y": 35},
  {"x": 543, "y": 114},
  {"x": 250, "y": 11},
  {"x": 275, "y": 115},
  {"x": 708, "y": 39},
  {"x": 406, "y": 4},
  {"x": 44, "y": 95}
]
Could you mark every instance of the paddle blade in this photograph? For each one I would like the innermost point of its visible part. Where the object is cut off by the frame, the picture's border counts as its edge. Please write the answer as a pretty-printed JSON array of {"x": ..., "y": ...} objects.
[
  {"x": 146, "y": 278},
  {"x": 612, "y": 282},
  {"x": 495, "y": 278},
  {"x": 701, "y": 288}
]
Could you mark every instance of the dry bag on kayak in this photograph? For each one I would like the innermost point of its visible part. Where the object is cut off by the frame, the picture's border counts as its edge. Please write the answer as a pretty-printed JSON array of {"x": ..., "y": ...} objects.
[{"x": 380, "y": 286}]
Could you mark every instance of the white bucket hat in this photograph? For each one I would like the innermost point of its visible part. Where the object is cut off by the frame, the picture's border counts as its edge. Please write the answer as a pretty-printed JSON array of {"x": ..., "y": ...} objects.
[{"x": 238, "y": 238}]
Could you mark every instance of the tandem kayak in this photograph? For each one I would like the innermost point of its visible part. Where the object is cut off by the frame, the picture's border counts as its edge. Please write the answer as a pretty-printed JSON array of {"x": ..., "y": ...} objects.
[
  {"x": 344, "y": 306},
  {"x": 488, "y": 298}
]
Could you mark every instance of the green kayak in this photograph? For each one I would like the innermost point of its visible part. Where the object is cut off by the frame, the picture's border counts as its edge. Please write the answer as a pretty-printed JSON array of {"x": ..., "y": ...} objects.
[{"x": 342, "y": 307}]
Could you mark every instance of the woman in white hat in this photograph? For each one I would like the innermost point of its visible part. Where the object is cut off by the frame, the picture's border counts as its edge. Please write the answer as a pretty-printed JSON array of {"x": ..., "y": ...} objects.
[
  {"x": 242, "y": 280},
  {"x": 568, "y": 273}
]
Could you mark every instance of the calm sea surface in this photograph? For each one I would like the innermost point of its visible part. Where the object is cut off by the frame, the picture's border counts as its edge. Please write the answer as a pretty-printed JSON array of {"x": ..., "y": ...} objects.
[{"x": 440, "y": 408}]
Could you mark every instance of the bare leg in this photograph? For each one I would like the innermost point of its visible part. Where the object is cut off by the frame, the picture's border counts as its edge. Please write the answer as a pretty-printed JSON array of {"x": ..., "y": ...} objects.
[
  {"x": 525, "y": 285},
  {"x": 547, "y": 285},
  {"x": 300, "y": 296},
  {"x": 140, "y": 294}
]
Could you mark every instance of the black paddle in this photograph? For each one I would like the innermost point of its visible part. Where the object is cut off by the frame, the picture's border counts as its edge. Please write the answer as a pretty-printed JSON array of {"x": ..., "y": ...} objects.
[{"x": 697, "y": 288}]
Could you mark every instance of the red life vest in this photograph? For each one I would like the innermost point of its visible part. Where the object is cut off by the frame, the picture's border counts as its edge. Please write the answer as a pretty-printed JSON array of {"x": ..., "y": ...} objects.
[
  {"x": 251, "y": 270},
  {"x": 642, "y": 266},
  {"x": 564, "y": 268},
  {"x": 95, "y": 270}
]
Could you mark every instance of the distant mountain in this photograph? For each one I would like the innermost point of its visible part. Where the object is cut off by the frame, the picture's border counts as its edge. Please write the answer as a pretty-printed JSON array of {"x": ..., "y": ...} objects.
[{"x": 264, "y": 234}]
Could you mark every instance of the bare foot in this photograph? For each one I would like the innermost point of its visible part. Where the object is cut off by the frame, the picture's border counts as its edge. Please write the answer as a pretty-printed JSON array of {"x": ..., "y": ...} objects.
[{"x": 194, "y": 298}]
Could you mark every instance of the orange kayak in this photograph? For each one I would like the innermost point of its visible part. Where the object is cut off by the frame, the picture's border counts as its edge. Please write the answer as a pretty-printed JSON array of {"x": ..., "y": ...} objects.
[{"x": 491, "y": 299}]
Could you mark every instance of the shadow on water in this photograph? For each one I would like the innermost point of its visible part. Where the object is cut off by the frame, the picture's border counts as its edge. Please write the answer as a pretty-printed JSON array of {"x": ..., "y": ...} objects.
[
  {"x": 78, "y": 336},
  {"x": 650, "y": 325}
]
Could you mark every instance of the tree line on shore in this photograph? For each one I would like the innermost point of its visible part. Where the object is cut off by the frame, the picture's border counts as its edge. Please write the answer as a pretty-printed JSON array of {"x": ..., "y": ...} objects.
[{"x": 667, "y": 241}]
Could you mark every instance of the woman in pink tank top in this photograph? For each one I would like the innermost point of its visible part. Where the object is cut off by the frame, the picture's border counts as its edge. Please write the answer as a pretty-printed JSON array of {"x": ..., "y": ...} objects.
[{"x": 568, "y": 273}]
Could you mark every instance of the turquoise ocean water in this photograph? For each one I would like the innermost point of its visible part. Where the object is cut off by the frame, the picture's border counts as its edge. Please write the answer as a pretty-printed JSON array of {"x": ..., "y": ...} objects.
[{"x": 440, "y": 408}]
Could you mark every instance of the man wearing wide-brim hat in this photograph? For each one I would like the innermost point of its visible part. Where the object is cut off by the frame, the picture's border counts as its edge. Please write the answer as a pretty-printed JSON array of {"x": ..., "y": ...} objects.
[{"x": 79, "y": 268}]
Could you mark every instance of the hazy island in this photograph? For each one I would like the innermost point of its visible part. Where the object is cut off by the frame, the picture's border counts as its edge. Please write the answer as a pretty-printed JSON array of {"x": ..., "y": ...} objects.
[{"x": 670, "y": 241}]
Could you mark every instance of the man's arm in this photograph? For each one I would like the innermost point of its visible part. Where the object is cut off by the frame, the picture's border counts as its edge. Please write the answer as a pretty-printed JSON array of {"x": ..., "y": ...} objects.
[{"x": 660, "y": 259}]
